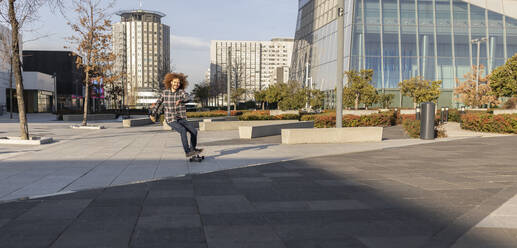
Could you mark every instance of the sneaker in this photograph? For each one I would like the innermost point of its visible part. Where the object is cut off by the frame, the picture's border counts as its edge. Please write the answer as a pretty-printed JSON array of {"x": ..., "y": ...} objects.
[
  {"x": 199, "y": 150},
  {"x": 191, "y": 153}
]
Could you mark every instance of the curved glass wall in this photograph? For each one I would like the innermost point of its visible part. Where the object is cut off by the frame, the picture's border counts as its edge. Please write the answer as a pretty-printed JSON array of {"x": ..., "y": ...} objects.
[{"x": 400, "y": 39}]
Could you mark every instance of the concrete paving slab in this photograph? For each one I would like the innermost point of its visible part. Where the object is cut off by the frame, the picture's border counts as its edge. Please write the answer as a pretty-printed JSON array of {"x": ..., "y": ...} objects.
[{"x": 346, "y": 200}]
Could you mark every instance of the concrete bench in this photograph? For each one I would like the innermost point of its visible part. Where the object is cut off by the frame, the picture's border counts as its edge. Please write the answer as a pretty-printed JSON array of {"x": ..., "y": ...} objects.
[
  {"x": 194, "y": 123},
  {"x": 234, "y": 125},
  {"x": 249, "y": 132},
  {"x": 360, "y": 112},
  {"x": 284, "y": 112},
  {"x": 331, "y": 135},
  {"x": 91, "y": 117},
  {"x": 136, "y": 122},
  {"x": 221, "y": 118},
  {"x": 407, "y": 111}
]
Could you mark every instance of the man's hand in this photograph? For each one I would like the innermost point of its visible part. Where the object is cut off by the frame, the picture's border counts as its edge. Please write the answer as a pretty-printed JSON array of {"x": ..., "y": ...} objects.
[
  {"x": 153, "y": 118},
  {"x": 178, "y": 102}
]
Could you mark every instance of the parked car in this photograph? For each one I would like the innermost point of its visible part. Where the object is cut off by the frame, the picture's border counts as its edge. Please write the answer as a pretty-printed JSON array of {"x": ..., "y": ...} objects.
[{"x": 192, "y": 106}]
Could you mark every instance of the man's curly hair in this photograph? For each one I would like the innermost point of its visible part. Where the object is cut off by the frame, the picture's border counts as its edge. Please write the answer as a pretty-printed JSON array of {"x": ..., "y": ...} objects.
[{"x": 167, "y": 80}]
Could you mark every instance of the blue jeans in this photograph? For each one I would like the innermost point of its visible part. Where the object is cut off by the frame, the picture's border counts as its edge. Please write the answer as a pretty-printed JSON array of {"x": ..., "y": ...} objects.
[{"x": 182, "y": 127}]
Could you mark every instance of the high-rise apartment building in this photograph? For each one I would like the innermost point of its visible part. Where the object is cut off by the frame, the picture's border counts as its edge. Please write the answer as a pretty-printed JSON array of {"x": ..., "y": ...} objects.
[
  {"x": 254, "y": 64},
  {"x": 142, "y": 46},
  {"x": 400, "y": 39}
]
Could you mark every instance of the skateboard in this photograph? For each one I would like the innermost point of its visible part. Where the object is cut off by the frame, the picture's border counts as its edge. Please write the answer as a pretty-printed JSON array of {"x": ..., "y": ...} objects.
[{"x": 196, "y": 157}]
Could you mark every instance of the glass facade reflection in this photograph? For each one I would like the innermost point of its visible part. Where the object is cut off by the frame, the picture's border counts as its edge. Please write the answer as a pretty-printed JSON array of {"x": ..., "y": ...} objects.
[{"x": 400, "y": 39}]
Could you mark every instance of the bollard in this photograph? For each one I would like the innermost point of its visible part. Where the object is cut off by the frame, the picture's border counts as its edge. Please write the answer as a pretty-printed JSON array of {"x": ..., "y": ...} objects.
[
  {"x": 427, "y": 120},
  {"x": 442, "y": 115},
  {"x": 417, "y": 113},
  {"x": 462, "y": 112}
]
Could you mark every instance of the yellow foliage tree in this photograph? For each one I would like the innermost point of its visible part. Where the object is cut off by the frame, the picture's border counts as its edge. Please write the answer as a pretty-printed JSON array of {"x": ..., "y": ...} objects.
[
  {"x": 420, "y": 90},
  {"x": 93, "y": 43},
  {"x": 475, "y": 94}
]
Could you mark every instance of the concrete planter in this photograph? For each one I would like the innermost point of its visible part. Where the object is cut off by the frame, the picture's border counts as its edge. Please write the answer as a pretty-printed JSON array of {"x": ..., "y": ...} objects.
[
  {"x": 136, "y": 122},
  {"x": 194, "y": 123},
  {"x": 504, "y": 111},
  {"x": 91, "y": 117},
  {"x": 331, "y": 135},
  {"x": 86, "y": 127},
  {"x": 283, "y": 112},
  {"x": 360, "y": 112},
  {"x": 31, "y": 141},
  {"x": 234, "y": 125},
  {"x": 407, "y": 111},
  {"x": 249, "y": 132}
]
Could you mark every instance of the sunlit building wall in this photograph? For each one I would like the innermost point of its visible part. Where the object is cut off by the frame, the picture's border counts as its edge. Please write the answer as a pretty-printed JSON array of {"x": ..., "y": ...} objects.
[
  {"x": 255, "y": 64},
  {"x": 142, "y": 47},
  {"x": 400, "y": 39}
]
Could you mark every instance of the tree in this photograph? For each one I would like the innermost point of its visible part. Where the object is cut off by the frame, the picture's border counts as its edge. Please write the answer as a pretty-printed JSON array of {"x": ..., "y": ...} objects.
[
  {"x": 503, "y": 80},
  {"x": 6, "y": 55},
  {"x": 93, "y": 41},
  {"x": 260, "y": 96},
  {"x": 370, "y": 97},
  {"x": 236, "y": 96},
  {"x": 17, "y": 13},
  {"x": 386, "y": 99},
  {"x": 359, "y": 84},
  {"x": 316, "y": 98},
  {"x": 420, "y": 90},
  {"x": 275, "y": 93},
  {"x": 348, "y": 98},
  {"x": 469, "y": 94},
  {"x": 201, "y": 93},
  {"x": 114, "y": 93}
]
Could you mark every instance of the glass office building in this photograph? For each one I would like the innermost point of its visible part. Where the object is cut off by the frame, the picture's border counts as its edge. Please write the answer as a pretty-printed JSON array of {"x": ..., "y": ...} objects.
[{"x": 400, "y": 39}]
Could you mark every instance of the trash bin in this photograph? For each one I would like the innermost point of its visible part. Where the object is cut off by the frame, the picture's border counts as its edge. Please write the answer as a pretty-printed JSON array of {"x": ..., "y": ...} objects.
[{"x": 427, "y": 120}]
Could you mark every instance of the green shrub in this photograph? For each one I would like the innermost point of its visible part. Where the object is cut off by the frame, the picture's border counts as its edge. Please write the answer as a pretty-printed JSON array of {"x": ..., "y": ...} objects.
[
  {"x": 511, "y": 103},
  {"x": 215, "y": 113},
  {"x": 412, "y": 128},
  {"x": 329, "y": 120},
  {"x": 489, "y": 123},
  {"x": 206, "y": 114},
  {"x": 252, "y": 117},
  {"x": 454, "y": 115},
  {"x": 287, "y": 117}
]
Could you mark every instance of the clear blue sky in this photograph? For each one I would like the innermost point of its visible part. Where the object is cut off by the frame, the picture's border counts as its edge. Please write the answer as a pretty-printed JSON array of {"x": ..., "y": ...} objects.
[{"x": 193, "y": 24}]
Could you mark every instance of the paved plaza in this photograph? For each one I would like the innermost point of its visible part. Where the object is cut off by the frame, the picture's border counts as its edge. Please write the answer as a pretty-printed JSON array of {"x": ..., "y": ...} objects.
[{"x": 133, "y": 188}]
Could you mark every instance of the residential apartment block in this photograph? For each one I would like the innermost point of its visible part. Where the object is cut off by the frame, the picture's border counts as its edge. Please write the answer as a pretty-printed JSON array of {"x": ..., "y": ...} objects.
[
  {"x": 142, "y": 46},
  {"x": 254, "y": 64}
]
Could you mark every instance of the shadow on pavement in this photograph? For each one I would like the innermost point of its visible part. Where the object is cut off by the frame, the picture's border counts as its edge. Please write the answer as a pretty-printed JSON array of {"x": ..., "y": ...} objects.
[
  {"x": 417, "y": 196},
  {"x": 237, "y": 150}
]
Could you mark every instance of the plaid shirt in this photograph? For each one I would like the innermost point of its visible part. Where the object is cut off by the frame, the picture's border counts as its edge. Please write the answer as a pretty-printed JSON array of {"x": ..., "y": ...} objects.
[{"x": 169, "y": 99}]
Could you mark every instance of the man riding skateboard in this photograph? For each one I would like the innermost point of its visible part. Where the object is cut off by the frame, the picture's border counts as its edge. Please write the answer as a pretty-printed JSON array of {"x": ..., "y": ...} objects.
[{"x": 173, "y": 98}]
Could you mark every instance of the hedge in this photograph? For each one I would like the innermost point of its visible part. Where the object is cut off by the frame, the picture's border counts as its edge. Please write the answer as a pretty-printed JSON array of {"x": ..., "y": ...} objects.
[
  {"x": 412, "y": 127},
  {"x": 213, "y": 113},
  {"x": 327, "y": 120},
  {"x": 506, "y": 123},
  {"x": 264, "y": 115}
]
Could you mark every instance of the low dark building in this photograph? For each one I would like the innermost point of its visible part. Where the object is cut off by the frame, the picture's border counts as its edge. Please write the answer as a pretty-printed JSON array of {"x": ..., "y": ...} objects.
[{"x": 68, "y": 77}]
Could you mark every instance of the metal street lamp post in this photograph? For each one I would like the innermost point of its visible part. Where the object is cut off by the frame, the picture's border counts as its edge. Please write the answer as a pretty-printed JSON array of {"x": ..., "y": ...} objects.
[
  {"x": 228, "y": 78},
  {"x": 478, "y": 42},
  {"x": 54, "y": 104},
  {"x": 11, "y": 91},
  {"x": 340, "y": 62}
]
